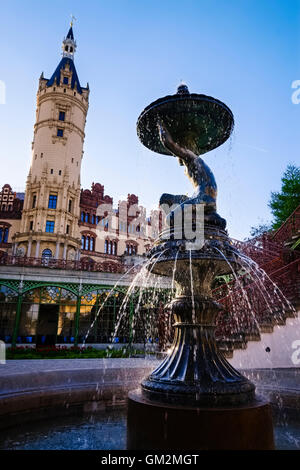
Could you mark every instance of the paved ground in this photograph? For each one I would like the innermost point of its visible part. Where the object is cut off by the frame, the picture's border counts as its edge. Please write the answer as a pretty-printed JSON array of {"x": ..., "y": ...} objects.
[
  {"x": 288, "y": 378},
  {"x": 22, "y": 366}
]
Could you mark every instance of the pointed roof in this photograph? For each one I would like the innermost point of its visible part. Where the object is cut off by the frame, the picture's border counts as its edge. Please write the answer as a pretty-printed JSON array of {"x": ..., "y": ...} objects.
[
  {"x": 57, "y": 75},
  {"x": 70, "y": 34}
]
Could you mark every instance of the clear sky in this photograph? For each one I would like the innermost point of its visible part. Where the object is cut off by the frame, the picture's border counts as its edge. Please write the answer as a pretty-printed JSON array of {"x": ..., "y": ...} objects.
[{"x": 245, "y": 53}]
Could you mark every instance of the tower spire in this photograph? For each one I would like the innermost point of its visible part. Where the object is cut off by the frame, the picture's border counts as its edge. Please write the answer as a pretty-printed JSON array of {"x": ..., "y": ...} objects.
[{"x": 69, "y": 44}]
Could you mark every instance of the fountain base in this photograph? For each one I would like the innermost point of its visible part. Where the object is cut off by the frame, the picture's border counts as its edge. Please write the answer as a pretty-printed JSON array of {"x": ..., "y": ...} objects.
[{"x": 159, "y": 426}]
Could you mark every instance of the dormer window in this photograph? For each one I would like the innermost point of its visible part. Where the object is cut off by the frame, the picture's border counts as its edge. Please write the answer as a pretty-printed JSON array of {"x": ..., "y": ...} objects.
[
  {"x": 62, "y": 115},
  {"x": 66, "y": 48},
  {"x": 71, "y": 49},
  {"x": 66, "y": 80}
]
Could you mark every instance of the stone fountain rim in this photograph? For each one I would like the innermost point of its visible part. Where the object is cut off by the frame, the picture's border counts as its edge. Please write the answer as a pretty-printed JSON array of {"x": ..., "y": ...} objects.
[{"x": 187, "y": 96}]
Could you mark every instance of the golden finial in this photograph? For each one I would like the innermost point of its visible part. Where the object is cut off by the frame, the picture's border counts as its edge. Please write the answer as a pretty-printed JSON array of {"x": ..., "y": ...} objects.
[{"x": 72, "y": 20}]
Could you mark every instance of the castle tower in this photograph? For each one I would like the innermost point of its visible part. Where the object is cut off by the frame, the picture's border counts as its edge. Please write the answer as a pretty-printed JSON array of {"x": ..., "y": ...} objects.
[{"x": 49, "y": 225}]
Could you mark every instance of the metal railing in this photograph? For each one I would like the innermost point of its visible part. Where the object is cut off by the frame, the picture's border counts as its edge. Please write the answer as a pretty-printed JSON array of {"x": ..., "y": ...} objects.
[
  {"x": 106, "y": 265},
  {"x": 289, "y": 228}
]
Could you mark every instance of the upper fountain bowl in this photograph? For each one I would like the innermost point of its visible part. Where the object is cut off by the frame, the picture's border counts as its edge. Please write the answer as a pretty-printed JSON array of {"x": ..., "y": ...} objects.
[{"x": 199, "y": 123}]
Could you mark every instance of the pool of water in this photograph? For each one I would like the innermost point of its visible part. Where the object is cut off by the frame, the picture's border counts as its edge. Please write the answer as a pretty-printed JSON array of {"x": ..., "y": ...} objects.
[{"x": 105, "y": 430}]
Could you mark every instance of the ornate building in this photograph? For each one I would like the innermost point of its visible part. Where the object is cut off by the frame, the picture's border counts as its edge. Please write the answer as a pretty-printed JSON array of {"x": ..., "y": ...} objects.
[
  {"x": 51, "y": 207},
  {"x": 57, "y": 219},
  {"x": 63, "y": 249},
  {"x": 11, "y": 205}
]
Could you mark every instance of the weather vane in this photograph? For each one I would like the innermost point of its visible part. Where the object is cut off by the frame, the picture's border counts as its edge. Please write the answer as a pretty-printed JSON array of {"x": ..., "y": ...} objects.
[{"x": 72, "y": 20}]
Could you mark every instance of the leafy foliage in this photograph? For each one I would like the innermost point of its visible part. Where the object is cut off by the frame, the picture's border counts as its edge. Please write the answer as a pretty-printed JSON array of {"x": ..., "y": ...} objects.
[
  {"x": 64, "y": 352},
  {"x": 283, "y": 203},
  {"x": 260, "y": 229}
]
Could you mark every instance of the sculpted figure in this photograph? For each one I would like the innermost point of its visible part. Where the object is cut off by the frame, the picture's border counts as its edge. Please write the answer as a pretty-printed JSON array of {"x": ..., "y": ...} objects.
[{"x": 200, "y": 175}]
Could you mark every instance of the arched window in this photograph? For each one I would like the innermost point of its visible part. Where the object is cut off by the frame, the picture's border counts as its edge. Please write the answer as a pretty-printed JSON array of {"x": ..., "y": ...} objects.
[
  {"x": 82, "y": 216},
  {"x": 131, "y": 249},
  {"x": 105, "y": 246},
  {"x": 87, "y": 218},
  {"x": 109, "y": 248},
  {"x": 87, "y": 243},
  {"x": 92, "y": 244},
  {"x": 47, "y": 253},
  {"x": 114, "y": 248},
  {"x": 82, "y": 242},
  {"x": 93, "y": 219},
  {"x": 5, "y": 236}
]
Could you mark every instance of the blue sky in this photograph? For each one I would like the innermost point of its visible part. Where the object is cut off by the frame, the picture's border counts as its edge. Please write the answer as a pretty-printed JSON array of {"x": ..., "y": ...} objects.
[{"x": 245, "y": 53}]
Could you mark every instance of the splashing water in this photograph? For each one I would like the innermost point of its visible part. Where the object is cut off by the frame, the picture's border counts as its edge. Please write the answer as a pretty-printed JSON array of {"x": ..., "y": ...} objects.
[
  {"x": 145, "y": 275},
  {"x": 244, "y": 293},
  {"x": 278, "y": 296},
  {"x": 192, "y": 289},
  {"x": 103, "y": 304}
]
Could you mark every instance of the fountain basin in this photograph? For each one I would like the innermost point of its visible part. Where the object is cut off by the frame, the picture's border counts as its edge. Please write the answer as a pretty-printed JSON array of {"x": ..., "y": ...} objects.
[
  {"x": 23, "y": 384},
  {"x": 41, "y": 388}
]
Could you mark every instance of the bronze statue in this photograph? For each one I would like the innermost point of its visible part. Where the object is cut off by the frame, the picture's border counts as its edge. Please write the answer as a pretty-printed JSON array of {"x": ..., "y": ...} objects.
[{"x": 199, "y": 174}]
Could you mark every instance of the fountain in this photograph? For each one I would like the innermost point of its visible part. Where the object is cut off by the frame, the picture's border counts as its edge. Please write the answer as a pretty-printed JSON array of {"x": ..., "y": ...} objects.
[{"x": 195, "y": 399}]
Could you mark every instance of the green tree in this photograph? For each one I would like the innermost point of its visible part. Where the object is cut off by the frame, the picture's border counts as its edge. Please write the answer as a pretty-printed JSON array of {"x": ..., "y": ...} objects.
[
  {"x": 283, "y": 203},
  {"x": 260, "y": 229}
]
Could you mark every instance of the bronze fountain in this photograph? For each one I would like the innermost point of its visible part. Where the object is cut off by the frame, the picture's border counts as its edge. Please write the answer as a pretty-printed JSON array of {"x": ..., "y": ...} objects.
[{"x": 208, "y": 404}]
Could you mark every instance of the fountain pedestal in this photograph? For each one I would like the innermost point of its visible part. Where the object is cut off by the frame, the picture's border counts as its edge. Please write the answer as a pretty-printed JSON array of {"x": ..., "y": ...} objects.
[
  {"x": 195, "y": 372},
  {"x": 195, "y": 400},
  {"x": 159, "y": 426}
]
